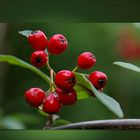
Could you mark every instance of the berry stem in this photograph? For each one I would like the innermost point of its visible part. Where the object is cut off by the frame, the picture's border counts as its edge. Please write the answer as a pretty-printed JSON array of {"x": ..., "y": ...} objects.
[
  {"x": 49, "y": 67},
  {"x": 51, "y": 75},
  {"x": 75, "y": 69},
  {"x": 52, "y": 85}
]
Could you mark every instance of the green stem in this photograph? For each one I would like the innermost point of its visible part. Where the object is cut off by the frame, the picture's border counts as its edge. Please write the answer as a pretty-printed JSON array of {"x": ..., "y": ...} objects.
[
  {"x": 52, "y": 86},
  {"x": 75, "y": 69},
  {"x": 18, "y": 62},
  {"x": 41, "y": 74},
  {"x": 49, "y": 67}
]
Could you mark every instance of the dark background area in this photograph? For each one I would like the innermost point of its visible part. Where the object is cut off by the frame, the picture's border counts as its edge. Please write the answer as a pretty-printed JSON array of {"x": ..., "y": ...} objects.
[{"x": 103, "y": 39}]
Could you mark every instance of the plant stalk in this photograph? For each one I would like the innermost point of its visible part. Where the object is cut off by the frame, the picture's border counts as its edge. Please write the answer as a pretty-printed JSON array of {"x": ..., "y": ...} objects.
[
  {"x": 75, "y": 69},
  {"x": 49, "y": 121}
]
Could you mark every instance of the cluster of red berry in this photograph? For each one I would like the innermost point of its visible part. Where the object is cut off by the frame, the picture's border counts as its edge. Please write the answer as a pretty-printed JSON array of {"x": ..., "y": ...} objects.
[{"x": 61, "y": 90}]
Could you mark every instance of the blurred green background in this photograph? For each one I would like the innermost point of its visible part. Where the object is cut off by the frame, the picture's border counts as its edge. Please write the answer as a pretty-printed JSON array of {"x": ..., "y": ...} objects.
[{"x": 102, "y": 39}]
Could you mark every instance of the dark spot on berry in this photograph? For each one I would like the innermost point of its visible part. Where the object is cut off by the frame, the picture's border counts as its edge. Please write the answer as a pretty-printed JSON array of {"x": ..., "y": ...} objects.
[
  {"x": 71, "y": 80},
  {"x": 62, "y": 40},
  {"x": 92, "y": 56},
  {"x": 33, "y": 32},
  {"x": 38, "y": 59},
  {"x": 101, "y": 82}
]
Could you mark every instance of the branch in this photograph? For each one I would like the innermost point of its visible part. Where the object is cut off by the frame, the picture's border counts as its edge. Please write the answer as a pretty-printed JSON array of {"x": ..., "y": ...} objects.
[{"x": 120, "y": 124}]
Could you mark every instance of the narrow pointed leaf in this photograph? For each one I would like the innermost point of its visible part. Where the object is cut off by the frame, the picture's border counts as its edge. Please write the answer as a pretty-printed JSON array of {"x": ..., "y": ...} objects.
[
  {"x": 59, "y": 122},
  {"x": 18, "y": 62},
  {"x": 11, "y": 123},
  {"x": 25, "y": 32},
  {"x": 42, "y": 112},
  {"x": 109, "y": 102},
  {"x": 26, "y": 118},
  {"x": 128, "y": 66},
  {"x": 82, "y": 92}
]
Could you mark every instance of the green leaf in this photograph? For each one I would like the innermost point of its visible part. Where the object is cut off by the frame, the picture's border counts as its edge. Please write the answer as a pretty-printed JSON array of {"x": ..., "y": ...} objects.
[
  {"x": 109, "y": 102},
  {"x": 42, "y": 112},
  {"x": 25, "y": 32},
  {"x": 79, "y": 87},
  {"x": 54, "y": 116},
  {"x": 59, "y": 122},
  {"x": 82, "y": 92},
  {"x": 26, "y": 118},
  {"x": 128, "y": 66},
  {"x": 18, "y": 62},
  {"x": 11, "y": 123},
  {"x": 81, "y": 81}
]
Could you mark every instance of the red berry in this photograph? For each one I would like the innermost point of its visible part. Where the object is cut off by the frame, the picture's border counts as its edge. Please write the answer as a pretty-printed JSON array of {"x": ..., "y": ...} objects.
[
  {"x": 35, "y": 96},
  {"x": 65, "y": 80},
  {"x": 57, "y": 44},
  {"x": 86, "y": 60},
  {"x": 51, "y": 104},
  {"x": 98, "y": 79},
  {"x": 38, "y": 40},
  {"x": 65, "y": 98},
  {"x": 39, "y": 58}
]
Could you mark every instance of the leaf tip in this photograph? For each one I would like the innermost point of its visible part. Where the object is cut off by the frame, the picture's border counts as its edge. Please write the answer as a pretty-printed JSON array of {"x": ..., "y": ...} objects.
[
  {"x": 25, "y": 32},
  {"x": 116, "y": 62},
  {"x": 121, "y": 116}
]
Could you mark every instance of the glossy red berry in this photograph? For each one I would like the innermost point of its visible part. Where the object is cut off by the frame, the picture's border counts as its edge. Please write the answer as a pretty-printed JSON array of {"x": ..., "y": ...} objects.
[
  {"x": 38, "y": 40},
  {"x": 57, "y": 44},
  {"x": 35, "y": 96},
  {"x": 51, "y": 104},
  {"x": 39, "y": 58},
  {"x": 86, "y": 60},
  {"x": 98, "y": 79},
  {"x": 67, "y": 98},
  {"x": 65, "y": 80}
]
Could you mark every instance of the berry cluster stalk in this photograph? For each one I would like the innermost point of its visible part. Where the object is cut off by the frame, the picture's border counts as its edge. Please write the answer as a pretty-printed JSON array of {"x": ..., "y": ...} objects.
[
  {"x": 49, "y": 121},
  {"x": 52, "y": 89}
]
